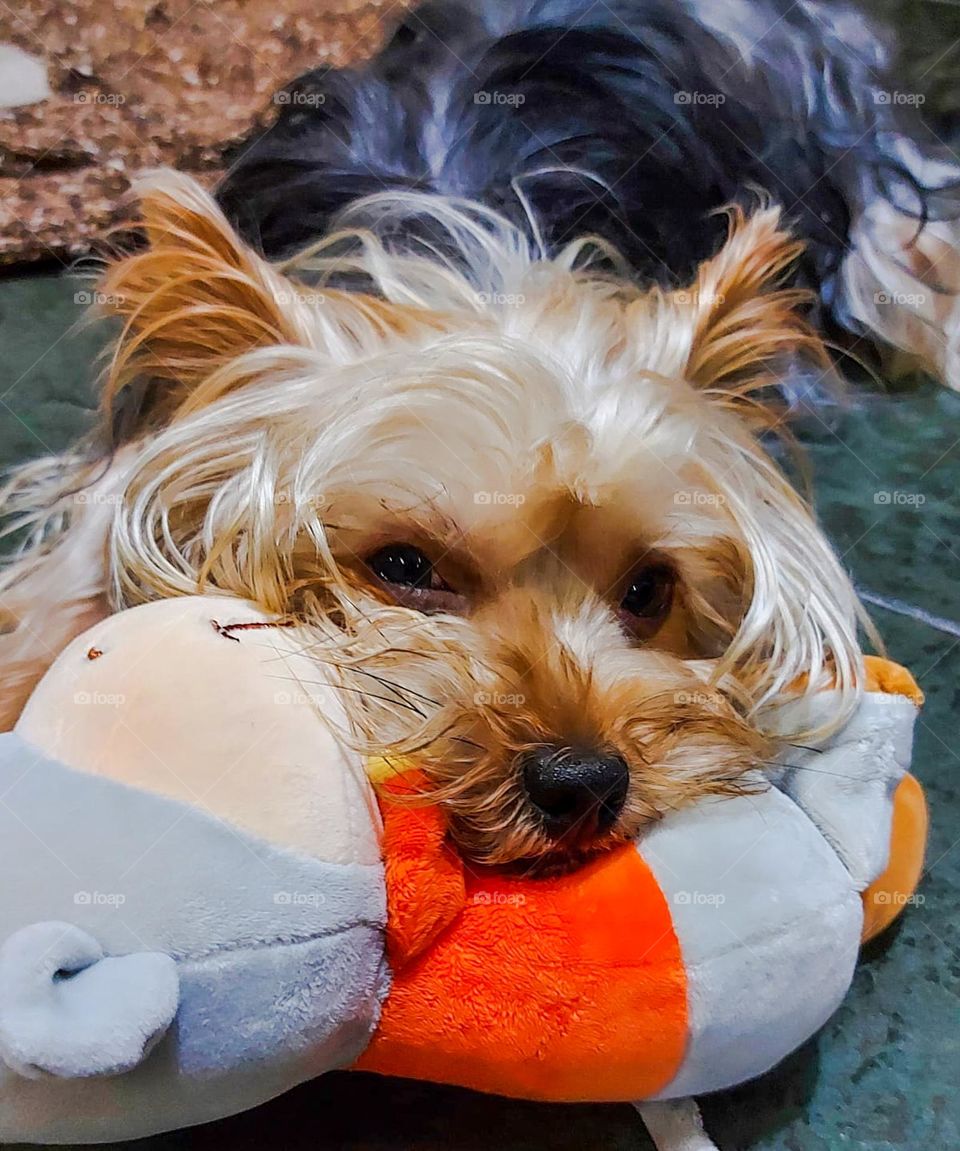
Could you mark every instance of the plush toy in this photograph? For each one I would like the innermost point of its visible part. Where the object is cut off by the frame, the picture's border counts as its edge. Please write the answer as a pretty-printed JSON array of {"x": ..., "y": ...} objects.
[{"x": 205, "y": 905}]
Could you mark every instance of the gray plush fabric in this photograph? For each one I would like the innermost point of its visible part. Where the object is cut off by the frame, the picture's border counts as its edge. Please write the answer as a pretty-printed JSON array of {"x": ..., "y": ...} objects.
[
  {"x": 69, "y": 1010},
  {"x": 846, "y": 787},
  {"x": 279, "y": 957}
]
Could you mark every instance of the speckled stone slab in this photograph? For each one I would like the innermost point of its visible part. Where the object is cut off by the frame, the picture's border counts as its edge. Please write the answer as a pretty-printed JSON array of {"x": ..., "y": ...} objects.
[{"x": 137, "y": 84}]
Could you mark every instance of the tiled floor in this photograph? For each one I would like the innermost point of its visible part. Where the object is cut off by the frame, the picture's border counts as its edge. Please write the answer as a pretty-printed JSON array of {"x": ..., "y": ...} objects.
[{"x": 884, "y": 1073}]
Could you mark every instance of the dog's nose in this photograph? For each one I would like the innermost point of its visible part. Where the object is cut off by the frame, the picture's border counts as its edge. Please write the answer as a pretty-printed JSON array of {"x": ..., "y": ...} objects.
[{"x": 574, "y": 790}]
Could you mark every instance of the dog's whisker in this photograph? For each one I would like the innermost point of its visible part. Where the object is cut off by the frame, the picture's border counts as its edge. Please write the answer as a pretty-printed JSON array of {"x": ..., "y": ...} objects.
[
  {"x": 811, "y": 770},
  {"x": 392, "y": 700},
  {"x": 399, "y": 688}
]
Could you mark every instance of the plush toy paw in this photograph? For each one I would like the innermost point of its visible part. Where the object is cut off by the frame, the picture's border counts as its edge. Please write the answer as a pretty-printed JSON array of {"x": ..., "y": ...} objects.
[
  {"x": 68, "y": 1010},
  {"x": 675, "y": 1125}
]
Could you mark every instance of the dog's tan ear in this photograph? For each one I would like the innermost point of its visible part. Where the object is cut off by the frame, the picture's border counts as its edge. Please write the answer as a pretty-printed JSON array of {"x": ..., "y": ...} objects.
[
  {"x": 195, "y": 297},
  {"x": 744, "y": 323}
]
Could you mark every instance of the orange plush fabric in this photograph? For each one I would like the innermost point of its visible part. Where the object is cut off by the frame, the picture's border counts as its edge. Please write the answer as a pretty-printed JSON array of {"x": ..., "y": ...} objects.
[
  {"x": 568, "y": 988},
  {"x": 424, "y": 876}
]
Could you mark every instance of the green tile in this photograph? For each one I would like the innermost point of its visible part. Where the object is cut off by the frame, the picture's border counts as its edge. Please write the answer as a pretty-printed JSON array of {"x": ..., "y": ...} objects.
[{"x": 47, "y": 365}]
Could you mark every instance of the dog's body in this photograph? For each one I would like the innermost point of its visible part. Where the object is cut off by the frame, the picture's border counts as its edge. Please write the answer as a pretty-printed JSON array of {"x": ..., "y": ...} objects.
[
  {"x": 512, "y": 478},
  {"x": 637, "y": 121}
]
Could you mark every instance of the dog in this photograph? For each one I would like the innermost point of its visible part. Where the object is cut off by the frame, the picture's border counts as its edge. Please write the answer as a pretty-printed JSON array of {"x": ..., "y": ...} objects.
[{"x": 472, "y": 369}]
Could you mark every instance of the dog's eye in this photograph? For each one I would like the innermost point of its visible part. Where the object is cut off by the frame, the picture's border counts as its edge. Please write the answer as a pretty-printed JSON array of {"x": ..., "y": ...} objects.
[
  {"x": 407, "y": 573},
  {"x": 648, "y": 598},
  {"x": 402, "y": 565}
]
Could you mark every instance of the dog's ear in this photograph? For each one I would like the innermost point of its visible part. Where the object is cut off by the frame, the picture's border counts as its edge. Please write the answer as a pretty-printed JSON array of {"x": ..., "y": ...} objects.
[
  {"x": 195, "y": 298},
  {"x": 745, "y": 325}
]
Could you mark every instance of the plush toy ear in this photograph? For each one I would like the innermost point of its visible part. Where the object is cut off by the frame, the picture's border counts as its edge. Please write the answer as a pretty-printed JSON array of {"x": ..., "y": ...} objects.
[
  {"x": 744, "y": 324},
  {"x": 69, "y": 1010}
]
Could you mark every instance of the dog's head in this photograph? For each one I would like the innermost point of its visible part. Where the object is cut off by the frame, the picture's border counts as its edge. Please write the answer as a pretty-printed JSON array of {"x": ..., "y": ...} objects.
[{"x": 523, "y": 502}]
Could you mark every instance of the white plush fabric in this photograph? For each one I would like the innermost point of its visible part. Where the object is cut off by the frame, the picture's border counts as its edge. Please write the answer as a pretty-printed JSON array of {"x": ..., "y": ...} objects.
[
  {"x": 847, "y": 786},
  {"x": 768, "y": 924},
  {"x": 675, "y": 1125},
  {"x": 247, "y": 851},
  {"x": 69, "y": 1010},
  {"x": 178, "y": 801},
  {"x": 764, "y": 892},
  {"x": 279, "y": 959}
]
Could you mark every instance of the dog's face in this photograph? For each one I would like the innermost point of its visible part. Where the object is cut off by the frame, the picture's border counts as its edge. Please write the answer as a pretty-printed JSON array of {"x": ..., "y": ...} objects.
[
  {"x": 542, "y": 550},
  {"x": 574, "y": 573}
]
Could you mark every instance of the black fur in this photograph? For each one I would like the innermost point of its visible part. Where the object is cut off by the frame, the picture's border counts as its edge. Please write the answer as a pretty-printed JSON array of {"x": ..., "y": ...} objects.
[{"x": 605, "y": 119}]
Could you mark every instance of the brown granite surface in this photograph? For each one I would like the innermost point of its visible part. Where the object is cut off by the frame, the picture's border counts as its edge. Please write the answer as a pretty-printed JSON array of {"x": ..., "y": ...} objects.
[{"x": 138, "y": 83}]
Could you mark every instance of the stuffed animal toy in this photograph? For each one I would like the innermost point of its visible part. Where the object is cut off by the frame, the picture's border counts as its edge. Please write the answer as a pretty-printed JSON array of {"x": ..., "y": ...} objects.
[{"x": 205, "y": 904}]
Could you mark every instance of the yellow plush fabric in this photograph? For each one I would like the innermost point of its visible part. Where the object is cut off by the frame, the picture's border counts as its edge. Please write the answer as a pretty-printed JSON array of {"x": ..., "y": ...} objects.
[{"x": 890, "y": 678}]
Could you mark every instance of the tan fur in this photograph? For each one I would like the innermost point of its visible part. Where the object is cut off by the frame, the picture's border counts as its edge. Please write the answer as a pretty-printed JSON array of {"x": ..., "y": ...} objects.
[
  {"x": 537, "y": 427},
  {"x": 743, "y": 321},
  {"x": 195, "y": 299}
]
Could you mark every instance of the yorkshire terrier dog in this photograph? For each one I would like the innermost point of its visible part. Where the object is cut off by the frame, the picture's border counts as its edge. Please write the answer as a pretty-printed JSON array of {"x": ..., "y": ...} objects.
[{"x": 495, "y": 428}]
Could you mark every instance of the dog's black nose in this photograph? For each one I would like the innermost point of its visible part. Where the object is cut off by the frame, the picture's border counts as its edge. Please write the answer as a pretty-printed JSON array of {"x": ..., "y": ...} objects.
[{"x": 576, "y": 791}]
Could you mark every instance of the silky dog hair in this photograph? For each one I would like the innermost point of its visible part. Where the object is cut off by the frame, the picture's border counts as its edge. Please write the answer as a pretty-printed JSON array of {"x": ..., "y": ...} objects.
[{"x": 539, "y": 427}]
